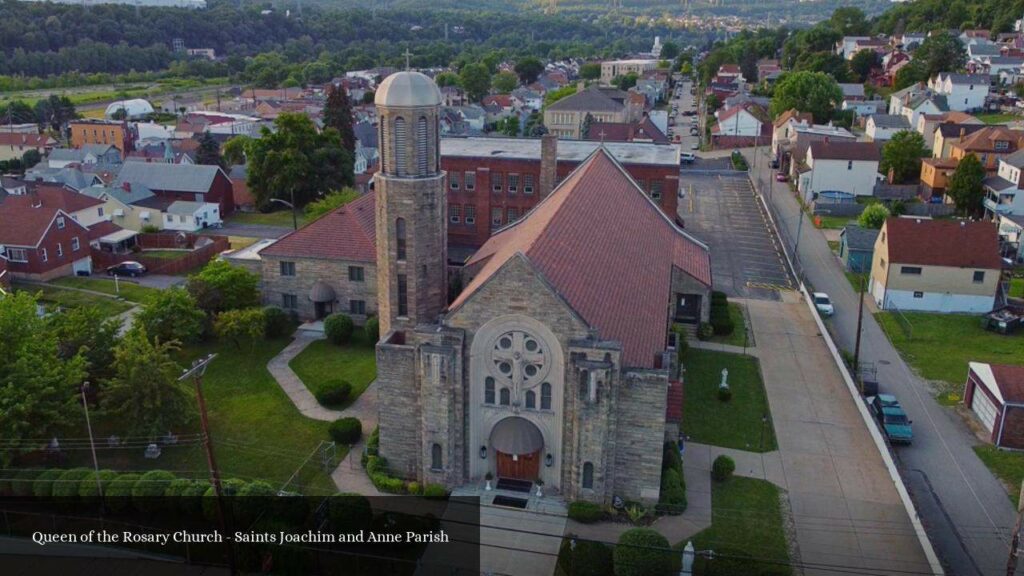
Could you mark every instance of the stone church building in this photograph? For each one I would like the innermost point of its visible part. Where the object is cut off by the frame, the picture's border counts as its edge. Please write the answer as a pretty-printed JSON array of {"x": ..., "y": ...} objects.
[{"x": 555, "y": 361}]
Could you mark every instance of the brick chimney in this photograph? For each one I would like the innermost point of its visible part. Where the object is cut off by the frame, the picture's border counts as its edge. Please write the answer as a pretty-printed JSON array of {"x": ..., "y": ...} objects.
[{"x": 548, "y": 163}]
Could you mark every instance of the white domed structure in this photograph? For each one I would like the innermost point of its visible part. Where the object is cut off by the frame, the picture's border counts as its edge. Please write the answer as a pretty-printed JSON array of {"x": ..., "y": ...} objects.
[
  {"x": 408, "y": 89},
  {"x": 135, "y": 108}
]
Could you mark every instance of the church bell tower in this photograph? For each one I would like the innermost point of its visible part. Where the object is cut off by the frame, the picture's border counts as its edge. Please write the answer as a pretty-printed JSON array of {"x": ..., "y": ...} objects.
[{"x": 411, "y": 224}]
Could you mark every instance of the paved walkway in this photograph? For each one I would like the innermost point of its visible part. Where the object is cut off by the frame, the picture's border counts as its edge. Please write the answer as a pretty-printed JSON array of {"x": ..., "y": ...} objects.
[
  {"x": 349, "y": 476},
  {"x": 127, "y": 318}
]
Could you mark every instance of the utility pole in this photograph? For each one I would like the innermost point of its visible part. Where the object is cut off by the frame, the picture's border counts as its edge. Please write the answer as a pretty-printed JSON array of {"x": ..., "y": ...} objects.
[
  {"x": 1011, "y": 562},
  {"x": 860, "y": 321},
  {"x": 196, "y": 372},
  {"x": 92, "y": 444}
]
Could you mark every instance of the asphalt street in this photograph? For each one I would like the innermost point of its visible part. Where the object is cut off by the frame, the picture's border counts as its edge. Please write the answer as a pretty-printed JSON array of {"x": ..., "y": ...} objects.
[{"x": 963, "y": 507}]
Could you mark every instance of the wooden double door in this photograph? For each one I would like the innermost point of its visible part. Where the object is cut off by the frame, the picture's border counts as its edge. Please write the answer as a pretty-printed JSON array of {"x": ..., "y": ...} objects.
[{"x": 521, "y": 467}]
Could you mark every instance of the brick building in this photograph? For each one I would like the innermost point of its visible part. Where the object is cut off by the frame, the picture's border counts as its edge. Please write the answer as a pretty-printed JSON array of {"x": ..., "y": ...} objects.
[
  {"x": 554, "y": 362},
  {"x": 113, "y": 132},
  {"x": 495, "y": 181}
]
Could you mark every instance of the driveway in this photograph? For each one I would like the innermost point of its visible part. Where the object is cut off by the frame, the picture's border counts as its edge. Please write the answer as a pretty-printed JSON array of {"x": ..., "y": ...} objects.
[
  {"x": 963, "y": 507},
  {"x": 720, "y": 208},
  {"x": 159, "y": 281}
]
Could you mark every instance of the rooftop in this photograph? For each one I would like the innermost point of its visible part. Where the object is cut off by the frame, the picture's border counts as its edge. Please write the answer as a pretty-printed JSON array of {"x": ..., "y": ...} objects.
[
  {"x": 893, "y": 121},
  {"x": 348, "y": 233},
  {"x": 26, "y": 217},
  {"x": 589, "y": 100},
  {"x": 951, "y": 243},
  {"x": 1004, "y": 381},
  {"x": 162, "y": 176},
  {"x": 568, "y": 150},
  {"x": 865, "y": 151}
]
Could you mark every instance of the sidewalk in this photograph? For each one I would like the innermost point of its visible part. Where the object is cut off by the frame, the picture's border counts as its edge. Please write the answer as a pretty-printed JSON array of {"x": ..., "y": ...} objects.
[{"x": 293, "y": 385}]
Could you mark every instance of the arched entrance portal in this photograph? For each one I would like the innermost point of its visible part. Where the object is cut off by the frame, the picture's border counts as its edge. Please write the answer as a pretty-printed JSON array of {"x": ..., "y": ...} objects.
[{"x": 517, "y": 443}]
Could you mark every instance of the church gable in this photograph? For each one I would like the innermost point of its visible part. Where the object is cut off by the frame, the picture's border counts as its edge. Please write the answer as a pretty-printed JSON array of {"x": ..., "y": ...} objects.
[{"x": 517, "y": 288}]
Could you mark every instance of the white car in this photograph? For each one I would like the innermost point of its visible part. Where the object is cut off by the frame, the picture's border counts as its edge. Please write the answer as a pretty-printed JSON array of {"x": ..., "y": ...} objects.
[{"x": 823, "y": 303}]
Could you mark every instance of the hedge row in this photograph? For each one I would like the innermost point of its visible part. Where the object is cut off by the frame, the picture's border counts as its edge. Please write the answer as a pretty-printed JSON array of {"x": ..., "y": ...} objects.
[
  {"x": 673, "y": 487},
  {"x": 721, "y": 322},
  {"x": 377, "y": 469}
]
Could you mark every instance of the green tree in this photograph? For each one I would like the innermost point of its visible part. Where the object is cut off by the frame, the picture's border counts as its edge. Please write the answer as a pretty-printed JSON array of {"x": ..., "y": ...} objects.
[
  {"x": 552, "y": 96},
  {"x": 911, "y": 73},
  {"x": 669, "y": 50},
  {"x": 813, "y": 92},
  {"x": 509, "y": 126},
  {"x": 504, "y": 82},
  {"x": 642, "y": 552},
  {"x": 475, "y": 80},
  {"x": 295, "y": 162},
  {"x": 965, "y": 186},
  {"x": 208, "y": 152},
  {"x": 236, "y": 150},
  {"x": 338, "y": 115},
  {"x": 87, "y": 333},
  {"x": 862, "y": 63},
  {"x": 243, "y": 325},
  {"x": 626, "y": 81},
  {"x": 849, "y": 21},
  {"x": 37, "y": 387},
  {"x": 873, "y": 216},
  {"x": 941, "y": 52},
  {"x": 329, "y": 203},
  {"x": 219, "y": 287},
  {"x": 528, "y": 69},
  {"x": 590, "y": 71},
  {"x": 145, "y": 394},
  {"x": 30, "y": 158},
  {"x": 54, "y": 112},
  {"x": 901, "y": 156},
  {"x": 447, "y": 79},
  {"x": 172, "y": 316}
]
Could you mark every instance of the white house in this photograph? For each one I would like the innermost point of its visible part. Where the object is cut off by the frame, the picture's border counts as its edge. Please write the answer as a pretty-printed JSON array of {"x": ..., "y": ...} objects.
[
  {"x": 1003, "y": 194},
  {"x": 849, "y": 167},
  {"x": 963, "y": 92},
  {"x": 1011, "y": 234},
  {"x": 883, "y": 126},
  {"x": 191, "y": 216},
  {"x": 738, "y": 121},
  {"x": 847, "y": 46},
  {"x": 864, "y": 107}
]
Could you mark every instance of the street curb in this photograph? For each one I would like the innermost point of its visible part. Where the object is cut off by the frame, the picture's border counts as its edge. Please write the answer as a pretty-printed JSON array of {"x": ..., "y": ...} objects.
[{"x": 890, "y": 464}]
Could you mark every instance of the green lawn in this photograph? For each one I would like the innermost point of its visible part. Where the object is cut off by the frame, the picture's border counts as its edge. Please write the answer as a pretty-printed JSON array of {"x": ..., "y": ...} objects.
[
  {"x": 941, "y": 345},
  {"x": 854, "y": 279},
  {"x": 125, "y": 289},
  {"x": 257, "y": 432},
  {"x": 164, "y": 254},
  {"x": 322, "y": 362},
  {"x": 276, "y": 218},
  {"x": 1017, "y": 287},
  {"x": 734, "y": 424},
  {"x": 833, "y": 245},
  {"x": 1007, "y": 466},
  {"x": 996, "y": 118},
  {"x": 833, "y": 222},
  {"x": 739, "y": 334},
  {"x": 53, "y": 296},
  {"x": 746, "y": 522}
]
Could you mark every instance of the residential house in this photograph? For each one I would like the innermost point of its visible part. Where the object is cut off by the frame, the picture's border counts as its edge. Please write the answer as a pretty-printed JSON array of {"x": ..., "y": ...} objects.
[
  {"x": 565, "y": 118},
  {"x": 453, "y": 96},
  {"x": 1003, "y": 191},
  {"x": 847, "y": 46},
  {"x": 198, "y": 183},
  {"x": 892, "y": 63},
  {"x": 530, "y": 98},
  {"x": 1011, "y": 236},
  {"x": 118, "y": 134},
  {"x": 643, "y": 131},
  {"x": 935, "y": 175},
  {"x": 989, "y": 144},
  {"x": 74, "y": 177},
  {"x": 795, "y": 155},
  {"x": 927, "y": 123},
  {"x": 191, "y": 216},
  {"x": 857, "y": 247},
  {"x": 864, "y": 107},
  {"x": 121, "y": 205},
  {"x": 46, "y": 233},
  {"x": 14, "y": 145},
  {"x": 925, "y": 102},
  {"x": 86, "y": 154},
  {"x": 936, "y": 266},
  {"x": 784, "y": 128},
  {"x": 326, "y": 266},
  {"x": 877, "y": 45},
  {"x": 852, "y": 91},
  {"x": 948, "y": 133},
  {"x": 239, "y": 176},
  {"x": 846, "y": 167},
  {"x": 995, "y": 395},
  {"x": 498, "y": 106},
  {"x": 963, "y": 92},
  {"x": 767, "y": 70},
  {"x": 881, "y": 127},
  {"x": 745, "y": 125}
]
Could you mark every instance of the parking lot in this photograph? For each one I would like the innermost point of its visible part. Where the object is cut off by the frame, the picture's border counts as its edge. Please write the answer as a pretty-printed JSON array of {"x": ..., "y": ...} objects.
[{"x": 720, "y": 209}]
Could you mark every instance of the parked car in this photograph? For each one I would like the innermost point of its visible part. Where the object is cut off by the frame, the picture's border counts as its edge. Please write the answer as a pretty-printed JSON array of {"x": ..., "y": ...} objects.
[
  {"x": 894, "y": 421},
  {"x": 695, "y": 146},
  {"x": 774, "y": 164},
  {"x": 127, "y": 268},
  {"x": 823, "y": 303},
  {"x": 781, "y": 177},
  {"x": 687, "y": 157}
]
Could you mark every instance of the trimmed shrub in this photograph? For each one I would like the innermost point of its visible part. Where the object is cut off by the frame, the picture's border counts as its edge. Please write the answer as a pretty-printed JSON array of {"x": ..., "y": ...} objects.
[
  {"x": 588, "y": 558},
  {"x": 178, "y": 487},
  {"x": 349, "y": 512},
  {"x": 276, "y": 322},
  {"x": 670, "y": 459},
  {"x": 642, "y": 552},
  {"x": 68, "y": 484},
  {"x": 22, "y": 482},
  {"x": 338, "y": 328},
  {"x": 681, "y": 344},
  {"x": 585, "y": 512},
  {"x": 119, "y": 492},
  {"x": 372, "y": 329},
  {"x": 346, "y": 430},
  {"x": 719, "y": 297},
  {"x": 725, "y": 394},
  {"x": 88, "y": 491},
  {"x": 705, "y": 331},
  {"x": 230, "y": 487},
  {"x": 191, "y": 502},
  {"x": 42, "y": 486},
  {"x": 722, "y": 468},
  {"x": 333, "y": 392},
  {"x": 434, "y": 491},
  {"x": 673, "y": 493},
  {"x": 253, "y": 499},
  {"x": 152, "y": 484},
  {"x": 414, "y": 488}
]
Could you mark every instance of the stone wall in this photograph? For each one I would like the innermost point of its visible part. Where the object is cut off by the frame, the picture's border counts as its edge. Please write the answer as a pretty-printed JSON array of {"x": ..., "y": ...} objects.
[
  {"x": 399, "y": 412},
  {"x": 307, "y": 272},
  {"x": 591, "y": 431},
  {"x": 638, "y": 442},
  {"x": 442, "y": 405}
]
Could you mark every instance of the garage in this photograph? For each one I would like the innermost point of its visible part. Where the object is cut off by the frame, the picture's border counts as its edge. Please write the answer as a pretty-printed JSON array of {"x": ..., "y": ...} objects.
[{"x": 995, "y": 395}]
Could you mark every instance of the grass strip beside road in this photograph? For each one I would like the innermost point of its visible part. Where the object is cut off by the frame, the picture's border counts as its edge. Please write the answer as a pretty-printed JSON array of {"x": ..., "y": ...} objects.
[
  {"x": 130, "y": 291},
  {"x": 52, "y": 296}
]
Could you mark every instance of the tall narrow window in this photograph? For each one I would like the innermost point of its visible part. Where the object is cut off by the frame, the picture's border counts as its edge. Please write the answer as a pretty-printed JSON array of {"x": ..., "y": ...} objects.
[
  {"x": 421, "y": 146},
  {"x": 488, "y": 390},
  {"x": 400, "y": 165},
  {"x": 435, "y": 457},
  {"x": 545, "y": 396},
  {"x": 403, "y": 303},
  {"x": 531, "y": 399},
  {"x": 506, "y": 397},
  {"x": 400, "y": 238},
  {"x": 588, "y": 475}
]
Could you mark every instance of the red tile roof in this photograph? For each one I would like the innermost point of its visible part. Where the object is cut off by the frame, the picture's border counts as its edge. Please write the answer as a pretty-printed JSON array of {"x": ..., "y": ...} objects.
[
  {"x": 952, "y": 243},
  {"x": 606, "y": 249},
  {"x": 25, "y": 225},
  {"x": 503, "y": 100},
  {"x": 674, "y": 402},
  {"x": 18, "y": 139},
  {"x": 348, "y": 233},
  {"x": 101, "y": 229},
  {"x": 1010, "y": 380}
]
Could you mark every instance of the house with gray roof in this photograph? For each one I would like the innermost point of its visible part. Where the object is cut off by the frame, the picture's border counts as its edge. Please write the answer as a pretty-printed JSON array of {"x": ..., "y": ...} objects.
[
  {"x": 565, "y": 118},
  {"x": 87, "y": 154},
  {"x": 190, "y": 182},
  {"x": 884, "y": 126},
  {"x": 857, "y": 247}
]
